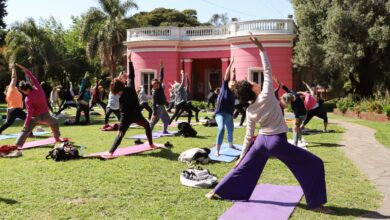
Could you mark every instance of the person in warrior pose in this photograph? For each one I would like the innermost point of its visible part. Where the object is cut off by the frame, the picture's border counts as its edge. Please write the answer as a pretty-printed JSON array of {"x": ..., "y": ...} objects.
[
  {"x": 240, "y": 182},
  {"x": 129, "y": 108}
]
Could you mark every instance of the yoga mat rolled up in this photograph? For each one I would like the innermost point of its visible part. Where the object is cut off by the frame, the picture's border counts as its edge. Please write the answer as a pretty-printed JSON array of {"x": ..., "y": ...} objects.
[{"x": 267, "y": 202}]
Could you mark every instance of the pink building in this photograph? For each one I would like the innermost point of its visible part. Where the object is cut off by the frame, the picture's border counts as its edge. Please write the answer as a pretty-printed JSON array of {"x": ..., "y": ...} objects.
[{"x": 204, "y": 52}]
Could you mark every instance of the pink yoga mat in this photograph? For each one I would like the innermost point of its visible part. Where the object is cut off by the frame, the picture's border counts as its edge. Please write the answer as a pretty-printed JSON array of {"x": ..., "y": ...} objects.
[
  {"x": 40, "y": 143},
  {"x": 127, "y": 151},
  {"x": 267, "y": 202}
]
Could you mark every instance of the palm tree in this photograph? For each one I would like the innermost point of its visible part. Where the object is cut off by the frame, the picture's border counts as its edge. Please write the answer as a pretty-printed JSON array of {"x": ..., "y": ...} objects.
[
  {"x": 104, "y": 30},
  {"x": 29, "y": 44}
]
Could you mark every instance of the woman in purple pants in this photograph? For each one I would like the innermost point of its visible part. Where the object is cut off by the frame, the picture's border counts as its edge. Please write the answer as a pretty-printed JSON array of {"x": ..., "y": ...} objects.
[{"x": 271, "y": 142}]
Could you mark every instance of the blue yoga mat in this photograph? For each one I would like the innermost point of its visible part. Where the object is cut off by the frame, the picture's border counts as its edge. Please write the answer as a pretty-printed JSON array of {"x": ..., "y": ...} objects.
[
  {"x": 14, "y": 136},
  {"x": 226, "y": 154},
  {"x": 8, "y": 136}
]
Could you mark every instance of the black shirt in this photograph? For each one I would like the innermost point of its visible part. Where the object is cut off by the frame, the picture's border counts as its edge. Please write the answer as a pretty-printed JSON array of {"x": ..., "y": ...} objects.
[
  {"x": 297, "y": 106},
  {"x": 158, "y": 95},
  {"x": 128, "y": 102}
]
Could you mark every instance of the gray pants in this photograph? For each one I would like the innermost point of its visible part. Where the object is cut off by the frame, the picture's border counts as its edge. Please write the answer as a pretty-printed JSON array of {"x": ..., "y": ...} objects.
[
  {"x": 162, "y": 113},
  {"x": 44, "y": 119},
  {"x": 297, "y": 134}
]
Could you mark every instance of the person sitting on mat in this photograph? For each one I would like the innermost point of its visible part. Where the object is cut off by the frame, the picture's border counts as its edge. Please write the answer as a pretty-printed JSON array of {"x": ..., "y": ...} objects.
[
  {"x": 37, "y": 109},
  {"x": 67, "y": 96},
  {"x": 292, "y": 98},
  {"x": 112, "y": 107},
  {"x": 143, "y": 100},
  {"x": 98, "y": 95},
  {"x": 240, "y": 182},
  {"x": 14, "y": 101},
  {"x": 224, "y": 110},
  {"x": 159, "y": 101},
  {"x": 181, "y": 99},
  {"x": 83, "y": 100},
  {"x": 313, "y": 109},
  {"x": 129, "y": 108}
]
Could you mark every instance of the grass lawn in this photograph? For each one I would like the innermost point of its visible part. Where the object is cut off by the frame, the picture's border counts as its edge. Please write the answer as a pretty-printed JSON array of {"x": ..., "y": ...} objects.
[
  {"x": 382, "y": 133},
  {"x": 147, "y": 186}
]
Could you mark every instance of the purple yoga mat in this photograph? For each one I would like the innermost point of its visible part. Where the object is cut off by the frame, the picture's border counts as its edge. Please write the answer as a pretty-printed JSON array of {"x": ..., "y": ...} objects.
[{"x": 267, "y": 202}]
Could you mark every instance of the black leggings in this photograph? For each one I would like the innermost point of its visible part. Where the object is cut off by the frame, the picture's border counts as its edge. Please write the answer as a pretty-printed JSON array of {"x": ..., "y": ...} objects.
[
  {"x": 124, "y": 126},
  {"x": 240, "y": 109},
  {"x": 179, "y": 109},
  {"x": 170, "y": 106},
  {"x": 101, "y": 103},
  {"x": 64, "y": 106},
  {"x": 85, "y": 109},
  {"x": 12, "y": 114},
  {"x": 211, "y": 101},
  {"x": 146, "y": 106},
  {"x": 108, "y": 113},
  {"x": 319, "y": 112}
]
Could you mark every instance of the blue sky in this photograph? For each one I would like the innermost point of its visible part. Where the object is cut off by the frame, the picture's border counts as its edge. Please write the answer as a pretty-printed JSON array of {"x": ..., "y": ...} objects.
[{"x": 19, "y": 10}]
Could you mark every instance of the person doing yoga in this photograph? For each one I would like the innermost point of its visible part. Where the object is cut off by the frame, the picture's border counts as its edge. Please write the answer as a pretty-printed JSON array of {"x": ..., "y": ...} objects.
[
  {"x": 37, "y": 109},
  {"x": 159, "y": 101},
  {"x": 224, "y": 110},
  {"x": 129, "y": 108},
  {"x": 14, "y": 102},
  {"x": 292, "y": 98},
  {"x": 240, "y": 182}
]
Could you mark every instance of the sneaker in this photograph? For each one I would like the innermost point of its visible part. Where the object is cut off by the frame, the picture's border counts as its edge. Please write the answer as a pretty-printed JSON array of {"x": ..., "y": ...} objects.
[{"x": 15, "y": 153}]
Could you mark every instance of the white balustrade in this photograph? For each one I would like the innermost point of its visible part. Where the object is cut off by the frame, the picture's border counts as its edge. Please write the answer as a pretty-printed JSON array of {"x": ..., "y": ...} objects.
[{"x": 281, "y": 26}]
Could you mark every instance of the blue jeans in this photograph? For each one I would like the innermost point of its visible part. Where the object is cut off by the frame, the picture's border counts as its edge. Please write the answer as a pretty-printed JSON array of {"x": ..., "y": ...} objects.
[{"x": 223, "y": 119}]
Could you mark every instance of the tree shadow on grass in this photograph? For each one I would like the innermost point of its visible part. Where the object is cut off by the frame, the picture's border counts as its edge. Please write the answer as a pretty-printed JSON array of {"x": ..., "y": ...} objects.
[
  {"x": 355, "y": 212},
  {"x": 8, "y": 201},
  {"x": 321, "y": 144},
  {"x": 165, "y": 154}
]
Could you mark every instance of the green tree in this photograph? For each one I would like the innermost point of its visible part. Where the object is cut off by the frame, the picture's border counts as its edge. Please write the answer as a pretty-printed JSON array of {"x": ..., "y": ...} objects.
[
  {"x": 219, "y": 19},
  {"x": 3, "y": 13},
  {"x": 104, "y": 30},
  {"x": 29, "y": 44},
  {"x": 345, "y": 41},
  {"x": 167, "y": 17}
]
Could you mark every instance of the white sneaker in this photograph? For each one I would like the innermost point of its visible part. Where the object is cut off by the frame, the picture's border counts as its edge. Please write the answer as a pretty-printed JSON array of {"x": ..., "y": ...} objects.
[{"x": 15, "y": 153}]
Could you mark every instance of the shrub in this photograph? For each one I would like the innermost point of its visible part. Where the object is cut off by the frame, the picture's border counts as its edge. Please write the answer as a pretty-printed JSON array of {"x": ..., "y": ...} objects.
[
  {"x": 386, "y": 110},
  {"x": 199, "y": 104},
  {"x": 346, "y": 103}
]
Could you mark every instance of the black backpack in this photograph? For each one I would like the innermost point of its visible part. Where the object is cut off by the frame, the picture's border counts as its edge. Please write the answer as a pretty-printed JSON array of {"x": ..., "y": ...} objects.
[
  {"x": 210, "y": 122},
  {"x": 65, "y": 151},
  {"x": 186, "y": 130}
]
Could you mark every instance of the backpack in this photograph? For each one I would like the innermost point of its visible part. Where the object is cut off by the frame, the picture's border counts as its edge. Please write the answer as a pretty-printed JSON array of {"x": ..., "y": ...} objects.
[
  {"x": 195, "y": 155},
  {"x": 186, "y": 130},
  {"x": 210, "y": 122},
  {"x": 63, "y": 152},
  {"x": 198, "y": 178}
]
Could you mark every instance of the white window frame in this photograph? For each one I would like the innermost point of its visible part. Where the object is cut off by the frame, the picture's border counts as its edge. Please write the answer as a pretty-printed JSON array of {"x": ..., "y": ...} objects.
[
  {"x": 254, "y": 69},
  {"x": 148, "y": 72}
]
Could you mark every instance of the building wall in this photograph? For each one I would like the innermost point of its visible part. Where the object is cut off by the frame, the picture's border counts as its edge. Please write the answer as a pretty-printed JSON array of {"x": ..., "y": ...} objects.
[
  {"x": 208, "y": 56},
  {"x": 151, "y": 60}
]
